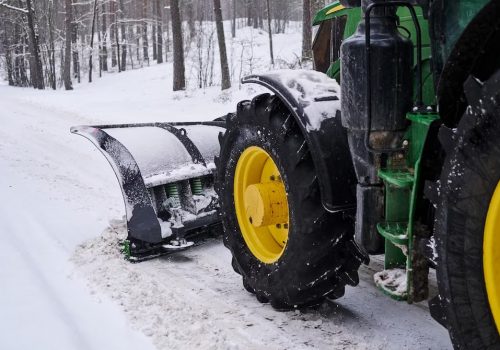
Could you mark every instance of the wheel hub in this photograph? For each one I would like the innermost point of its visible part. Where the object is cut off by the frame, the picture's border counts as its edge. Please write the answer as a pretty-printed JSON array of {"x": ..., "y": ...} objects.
[
  {"x": 261, "y": 204},
  {"x": 266, "y": 204},
  {"x": 491, "y": 255}
]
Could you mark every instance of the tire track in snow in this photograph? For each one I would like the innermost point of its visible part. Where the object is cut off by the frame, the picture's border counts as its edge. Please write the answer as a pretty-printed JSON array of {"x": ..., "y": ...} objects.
[{"x": 194, "y": 300}]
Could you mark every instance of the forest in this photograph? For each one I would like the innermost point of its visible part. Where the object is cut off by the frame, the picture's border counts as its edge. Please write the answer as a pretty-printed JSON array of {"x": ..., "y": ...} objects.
[{"x": 55, "y": 44}]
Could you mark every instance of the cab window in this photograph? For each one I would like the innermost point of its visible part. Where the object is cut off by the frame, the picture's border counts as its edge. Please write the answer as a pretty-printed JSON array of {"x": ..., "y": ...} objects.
[{"x": 326, "y": 44}]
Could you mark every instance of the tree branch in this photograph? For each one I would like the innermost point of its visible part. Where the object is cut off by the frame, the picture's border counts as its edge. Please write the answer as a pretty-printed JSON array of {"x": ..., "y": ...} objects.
[{"x": 10, "y": 7}]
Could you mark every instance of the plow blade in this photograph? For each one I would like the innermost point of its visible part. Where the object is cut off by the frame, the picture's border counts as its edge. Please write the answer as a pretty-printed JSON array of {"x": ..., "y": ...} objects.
[{"x": 165, "y": 171}]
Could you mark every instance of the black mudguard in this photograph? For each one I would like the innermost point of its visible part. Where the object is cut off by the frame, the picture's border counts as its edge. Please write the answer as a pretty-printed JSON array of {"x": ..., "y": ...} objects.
[{"x": 313, "y": 98}]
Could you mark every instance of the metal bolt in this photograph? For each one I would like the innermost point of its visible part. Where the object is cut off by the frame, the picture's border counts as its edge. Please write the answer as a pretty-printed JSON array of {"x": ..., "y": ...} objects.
[
  {"x": 406, "y": 143},
  {"x": 273, "y": 178}
]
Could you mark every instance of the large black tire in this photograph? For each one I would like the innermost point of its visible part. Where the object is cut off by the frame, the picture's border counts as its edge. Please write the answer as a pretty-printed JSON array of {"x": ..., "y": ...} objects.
[
  {"x": 470, "y": 175},
  {"x": 320, "y": 256}
]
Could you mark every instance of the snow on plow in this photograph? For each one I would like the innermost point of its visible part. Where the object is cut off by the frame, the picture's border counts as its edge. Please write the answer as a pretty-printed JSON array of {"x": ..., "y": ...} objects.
[{"x": 165, "y": 171}]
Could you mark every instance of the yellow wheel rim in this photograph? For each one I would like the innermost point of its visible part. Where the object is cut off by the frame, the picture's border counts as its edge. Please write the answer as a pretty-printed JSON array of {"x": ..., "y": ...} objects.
[
  {"x": 261, "y": 204},
  {"x": 491, "y": 255}
]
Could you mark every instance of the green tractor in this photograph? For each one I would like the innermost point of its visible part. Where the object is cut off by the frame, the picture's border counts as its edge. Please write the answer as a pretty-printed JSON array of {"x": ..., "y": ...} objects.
[{"x": 401, "y": 158}]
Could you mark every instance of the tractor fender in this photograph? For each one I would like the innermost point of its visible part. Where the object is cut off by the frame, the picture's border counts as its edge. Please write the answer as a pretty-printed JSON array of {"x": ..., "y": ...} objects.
[
  {"x": 475, "y": 53},
  {"x": 313, "y": 99}
]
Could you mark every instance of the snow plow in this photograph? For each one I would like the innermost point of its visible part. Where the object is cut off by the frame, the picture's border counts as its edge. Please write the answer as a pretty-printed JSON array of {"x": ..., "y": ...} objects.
[
  {"x": 165, "y": 173},
  {"x": 401, "y": 159}
]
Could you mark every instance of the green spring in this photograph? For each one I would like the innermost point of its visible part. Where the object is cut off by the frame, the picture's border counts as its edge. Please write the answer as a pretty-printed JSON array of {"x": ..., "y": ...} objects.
[
  {"x": 173, "y": 194},
  {"x": 196, "y": 186},
  {"x": 126, "y": 249}
]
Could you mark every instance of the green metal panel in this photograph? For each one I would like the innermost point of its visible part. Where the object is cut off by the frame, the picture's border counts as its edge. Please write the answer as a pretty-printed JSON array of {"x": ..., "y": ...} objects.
[{"x": 330, "y": 11}]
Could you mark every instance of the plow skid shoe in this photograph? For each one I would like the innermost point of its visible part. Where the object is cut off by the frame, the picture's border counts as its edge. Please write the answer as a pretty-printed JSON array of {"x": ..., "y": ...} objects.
[{"x": 165, "y": 171}]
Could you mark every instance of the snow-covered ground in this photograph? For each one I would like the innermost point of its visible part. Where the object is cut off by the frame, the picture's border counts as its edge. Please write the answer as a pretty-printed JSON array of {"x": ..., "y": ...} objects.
[{"x": 64, "y": 285}]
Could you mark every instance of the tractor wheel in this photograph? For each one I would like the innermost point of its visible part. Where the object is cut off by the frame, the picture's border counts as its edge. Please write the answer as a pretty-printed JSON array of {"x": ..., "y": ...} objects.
[
  {"x": 467, "y": 226},
  {"x": 288, "y": 249}
]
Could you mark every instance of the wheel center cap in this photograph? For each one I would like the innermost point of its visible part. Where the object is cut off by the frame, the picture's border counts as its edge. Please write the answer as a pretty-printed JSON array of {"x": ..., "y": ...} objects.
[{"x": 266, "y": 204}]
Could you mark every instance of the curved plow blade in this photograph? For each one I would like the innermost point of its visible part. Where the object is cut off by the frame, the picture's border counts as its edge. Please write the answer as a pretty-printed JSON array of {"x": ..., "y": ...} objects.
[{"x": 165, "y": 171}]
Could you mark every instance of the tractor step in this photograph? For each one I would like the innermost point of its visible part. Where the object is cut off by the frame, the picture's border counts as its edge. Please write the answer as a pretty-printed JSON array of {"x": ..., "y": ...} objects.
[
  {"x": 397, "y": 178},
  {"x": 396, "y": 232},
  {"x": 406, "y": 264}
]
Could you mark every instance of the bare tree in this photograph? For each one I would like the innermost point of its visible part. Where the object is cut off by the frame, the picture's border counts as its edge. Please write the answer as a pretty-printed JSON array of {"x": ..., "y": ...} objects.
[
  {"x": 104, "y": 29},
  {"x": 68, "y": 85},
  {"x": 268, "y": 7},
  {"x": 316, "y": 5},
  {"x": 36, "y": 62},
  {"x": 249, "y": 13},
  {"x": 124, "y": 37},
  {"x": 52, "y": 58},
  {"x": 224, "y": 66},
  {"x": 190, "y": 18},
  {"x": 154, "y": 36},
  {"x": 233, "y": 23},
  {"x": 306, "y": 31},
  {"x": 74, "y": 47},
  {"x": 159, "y": 31},
  {"x": 113, "y": 33},
  {"x": 179, "y": 69},
  {"x": 92, "y": 40},
  {"x": 167, "y": 41},
  {"x": 145, "y": 44}
]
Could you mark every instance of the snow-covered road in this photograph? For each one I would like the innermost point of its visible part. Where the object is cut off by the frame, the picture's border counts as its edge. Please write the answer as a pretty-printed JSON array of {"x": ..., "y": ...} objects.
[{"x": 63, "y": 286}]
